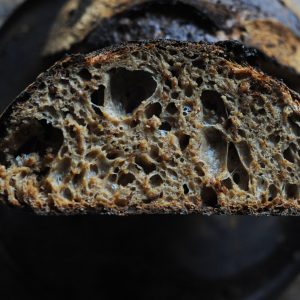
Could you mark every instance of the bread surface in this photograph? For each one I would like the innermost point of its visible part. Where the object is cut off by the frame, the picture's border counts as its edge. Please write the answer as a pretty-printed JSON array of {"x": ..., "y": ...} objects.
[
  {"x": 153, "y": 127},
  {"x": 271, "y": 26}
]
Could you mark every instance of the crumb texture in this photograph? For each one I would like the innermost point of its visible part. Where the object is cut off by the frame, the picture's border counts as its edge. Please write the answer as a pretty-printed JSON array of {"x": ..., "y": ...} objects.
[{"x": 153, "y": 128}]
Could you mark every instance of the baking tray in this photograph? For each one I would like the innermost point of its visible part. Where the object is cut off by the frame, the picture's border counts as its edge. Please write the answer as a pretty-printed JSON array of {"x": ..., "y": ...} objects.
[{"x": 144, "y": 257}]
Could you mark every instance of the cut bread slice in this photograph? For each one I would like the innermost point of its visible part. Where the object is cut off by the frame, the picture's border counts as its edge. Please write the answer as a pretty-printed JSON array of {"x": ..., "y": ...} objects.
[{"x": 153, "y": 127}]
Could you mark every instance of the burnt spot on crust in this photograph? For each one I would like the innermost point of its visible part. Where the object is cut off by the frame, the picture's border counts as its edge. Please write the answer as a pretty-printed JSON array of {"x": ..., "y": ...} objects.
[{"x": 241, "y": 53}]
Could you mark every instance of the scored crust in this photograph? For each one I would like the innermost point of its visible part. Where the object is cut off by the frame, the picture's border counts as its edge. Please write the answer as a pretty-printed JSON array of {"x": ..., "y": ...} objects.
[{"x": 153, "y": 127}]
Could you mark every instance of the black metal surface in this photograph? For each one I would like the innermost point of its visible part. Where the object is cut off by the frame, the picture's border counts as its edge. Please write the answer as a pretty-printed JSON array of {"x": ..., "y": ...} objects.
[{"x": 145, "y": 257}]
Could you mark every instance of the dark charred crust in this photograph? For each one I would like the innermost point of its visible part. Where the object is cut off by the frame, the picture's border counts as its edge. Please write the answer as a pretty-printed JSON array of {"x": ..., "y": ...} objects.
[
  {"x": 151, "y": 20},
  {"x": 241, "y": 53}
]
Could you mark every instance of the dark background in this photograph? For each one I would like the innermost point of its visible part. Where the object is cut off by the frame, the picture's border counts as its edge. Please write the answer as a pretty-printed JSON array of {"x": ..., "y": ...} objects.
[{"x": 144, "y": 257}]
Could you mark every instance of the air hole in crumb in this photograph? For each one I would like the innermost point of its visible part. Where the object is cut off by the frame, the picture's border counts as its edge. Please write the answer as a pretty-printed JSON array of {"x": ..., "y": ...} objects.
[
  {"x": 213, "y": 106},
  {"x": 269, "y": 128},
  {"x": 147, "y": 200},
  {"x": 153, "y": 109},
  {"x": 199, "y": 63},
  {"x": 43, "y": 172},
  {"x": 52, "y": 91},
  {"x": 188, "y": 91},
  {"x": 94, "y": 169},
  {"x": 67, "y": 194},
  {"x": 209, "y": 197},
  {"x": 261, "y": 111},
  {"x": 185, "y": 189},
  {"x": 175, "y": 71},
  {"x": 244, "y": 153},
  {"x": 165, "y": 126},
  {"x": 125, "y": 179},
  {"x": 114, "y": 154},
  {"x": 236, "y": 178},
  {"x": 173, "y": 174},
  {"x": 154, "y": 152},
  {"x": 288, "y": 155},
  {"x": 103, "y": 166},
  {"x": 38, "y": 137},
  {"x": 78, "y": 178},
  {"x": 156, "y": 180},
  {"x": 133, "y": 123},
  {"x": 174, "y": 95},
  {"x": 144, "y": 162},
  {"x": 171, "y": 108},
  {"x": 199, "y": 81},
  {"x": 50, "y": 111},
  {"x": 236, "y": 169},
  {"x": 168, "y": 83},
  {"x": 85, "y": 74},
  {"x": 97, "y": 98},
  {"x": 184, "y": 141},
  {"x": 121, "y": 202},
  {"x": 112, "y": 177},
  {"x": 241, "y": 132},
  {"x": 65, "y": 82},
  {"x": 227, "y": 183},
  {"x": 272, "y": 192},
  {"x": 294, "y": 121},
  {"x": 274, "y": 138},
  {"x": 292, "y": 191},
  {"x": 213, "y": 150},
  {"x": 92, "y": 155},
  {"x": 130, "y": 88},
  {"x": 64, "y": 165},
  {"x": 173, "y": 51}
]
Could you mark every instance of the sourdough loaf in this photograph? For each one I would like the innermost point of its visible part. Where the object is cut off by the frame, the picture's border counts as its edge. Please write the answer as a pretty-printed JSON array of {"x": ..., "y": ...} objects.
[
  {"x": 153, "y": 127},
  {"x": 271, "y": 26}
]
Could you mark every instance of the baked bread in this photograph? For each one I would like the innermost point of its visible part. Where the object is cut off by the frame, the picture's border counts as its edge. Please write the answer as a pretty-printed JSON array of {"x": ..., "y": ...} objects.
[
  {"x": 153, "y": 127},
  {"x": 271, "y": 26}
]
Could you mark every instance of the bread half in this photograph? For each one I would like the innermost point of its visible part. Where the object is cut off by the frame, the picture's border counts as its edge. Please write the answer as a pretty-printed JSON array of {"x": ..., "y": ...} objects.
[{"x": 153, "y": 127}]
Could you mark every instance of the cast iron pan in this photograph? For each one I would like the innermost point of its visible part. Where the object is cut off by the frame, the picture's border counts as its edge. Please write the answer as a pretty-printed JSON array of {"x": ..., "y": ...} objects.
[{"x": 144, "y": 257}]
